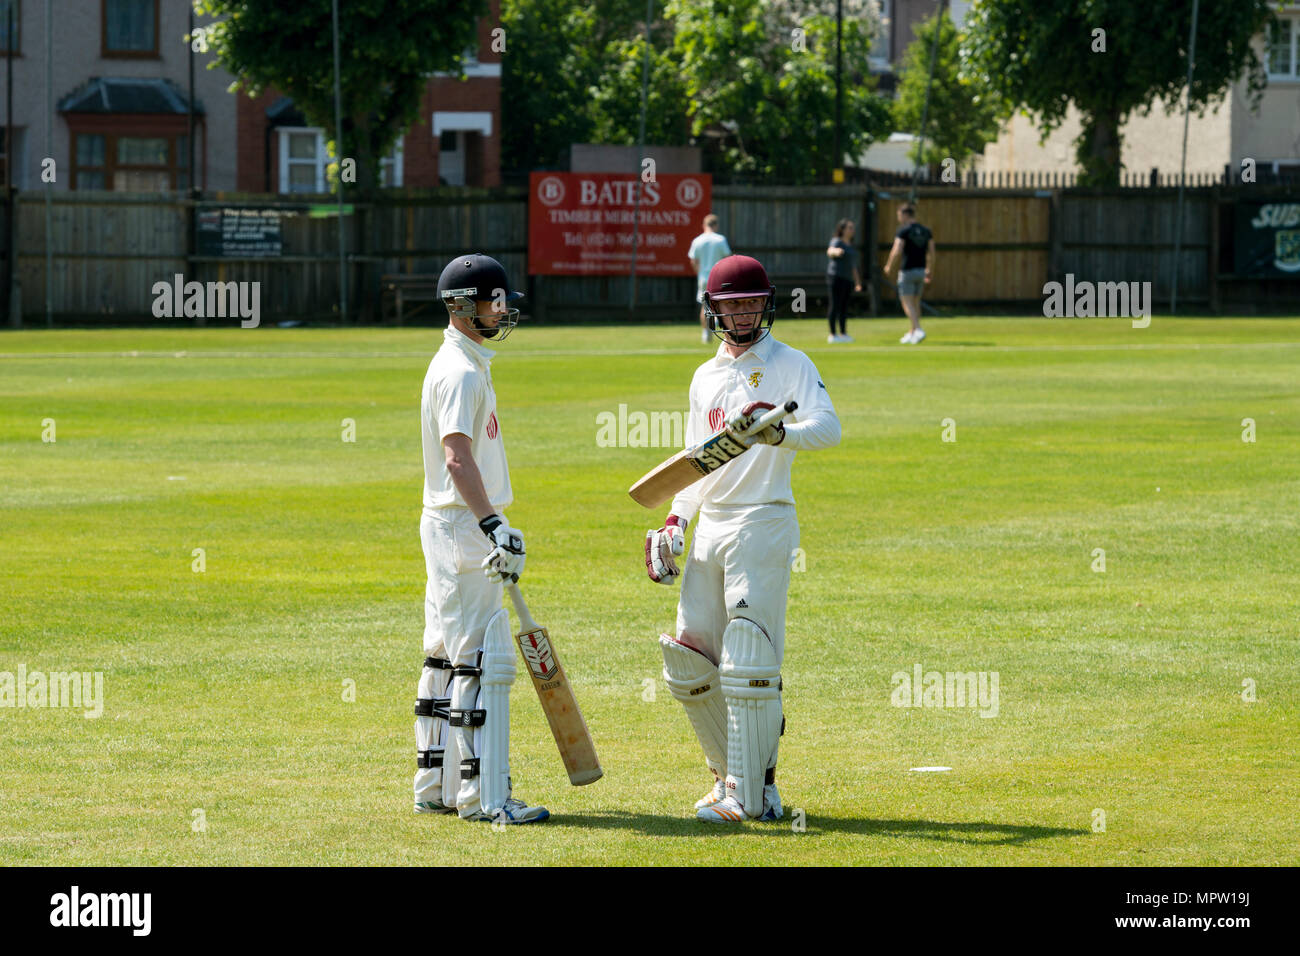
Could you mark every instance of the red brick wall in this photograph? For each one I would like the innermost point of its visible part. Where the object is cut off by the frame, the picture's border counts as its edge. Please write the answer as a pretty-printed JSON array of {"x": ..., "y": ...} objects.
[
  {"x": 445, "y": 93},
  {"x": 251, "y": 142}
]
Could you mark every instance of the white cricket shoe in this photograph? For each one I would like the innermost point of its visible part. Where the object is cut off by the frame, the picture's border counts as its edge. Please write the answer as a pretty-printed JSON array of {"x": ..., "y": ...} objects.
[
  {"x": 514, "y": 811},
  {"x": 846, "y": 338},
  {"x": 919, "y": 337},
  {"x": 907, "y": 339},
  {"x": 431, "y": 806},
  {"x": 832, "y": 339},
  {"x": 727, "y": 810},
  {"x": 772, "y": 809},
  {"x": 715, "y": 795}
]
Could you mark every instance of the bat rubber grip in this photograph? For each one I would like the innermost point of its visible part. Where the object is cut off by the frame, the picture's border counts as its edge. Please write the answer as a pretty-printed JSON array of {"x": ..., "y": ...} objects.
[{"x": 770, "y": 418}]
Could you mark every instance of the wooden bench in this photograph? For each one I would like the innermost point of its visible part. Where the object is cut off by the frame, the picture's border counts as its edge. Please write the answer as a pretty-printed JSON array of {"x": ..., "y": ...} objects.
[{"x": 403, "y": 290}]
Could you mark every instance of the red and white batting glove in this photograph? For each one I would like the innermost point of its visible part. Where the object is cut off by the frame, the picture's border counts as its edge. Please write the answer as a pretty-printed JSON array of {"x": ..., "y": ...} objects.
[
  {"x": 740, "y": 422},
  {"x": 662, "y": 547}
]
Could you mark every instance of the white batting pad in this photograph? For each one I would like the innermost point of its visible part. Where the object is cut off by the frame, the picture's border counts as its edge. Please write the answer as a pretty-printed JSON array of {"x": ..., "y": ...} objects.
[
  {"x": 692, "y": 679},
  {"x": 494, "y": 737},
  {"x": 751, "y": 688}
]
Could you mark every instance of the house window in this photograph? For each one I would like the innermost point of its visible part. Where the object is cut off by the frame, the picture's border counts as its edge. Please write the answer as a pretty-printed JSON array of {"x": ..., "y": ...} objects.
[
  {"x": 304, "y": 162},
  {"x": 130, "y": 28},
  {"x": 143, "y": 164},
  {"x": 6, "y": 6},
  {"x": 137, "y": 164},
  {"x": 1282, "y": 41},
  {"x": 879, "y": 55},
  {"x": 91, "y": 169},
  {"x": 390, "y": 167}
]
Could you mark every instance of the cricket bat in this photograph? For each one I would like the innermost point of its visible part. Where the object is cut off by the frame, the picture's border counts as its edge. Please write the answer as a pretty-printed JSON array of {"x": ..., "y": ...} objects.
[
  {"x": 558, "y": 703},
  {"x": 689, "y": 466}
]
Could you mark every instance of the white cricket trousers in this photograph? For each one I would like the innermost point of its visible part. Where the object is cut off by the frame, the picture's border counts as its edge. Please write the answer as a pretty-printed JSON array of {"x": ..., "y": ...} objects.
[
  {"x": 738, "y": 566},
  {"x": 459, "y": 599}
]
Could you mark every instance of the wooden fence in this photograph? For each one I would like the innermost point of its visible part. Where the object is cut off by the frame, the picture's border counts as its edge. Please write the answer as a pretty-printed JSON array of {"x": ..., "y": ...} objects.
[{"x": 995, "y": 246}]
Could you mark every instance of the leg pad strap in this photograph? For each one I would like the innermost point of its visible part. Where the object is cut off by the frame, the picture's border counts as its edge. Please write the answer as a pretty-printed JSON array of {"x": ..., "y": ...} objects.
[{"x": 432, "y": 706}]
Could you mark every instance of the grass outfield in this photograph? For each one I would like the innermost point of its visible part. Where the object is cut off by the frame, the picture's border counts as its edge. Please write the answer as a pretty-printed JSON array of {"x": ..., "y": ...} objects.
[{"x": 226, "y": 739}]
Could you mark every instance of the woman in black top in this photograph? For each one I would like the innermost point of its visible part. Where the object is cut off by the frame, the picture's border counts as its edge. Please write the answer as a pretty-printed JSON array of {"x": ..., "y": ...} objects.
[{"x": 841, "y": 276}]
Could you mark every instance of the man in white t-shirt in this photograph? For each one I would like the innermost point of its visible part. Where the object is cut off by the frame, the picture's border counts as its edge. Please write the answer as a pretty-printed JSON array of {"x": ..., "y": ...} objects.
[
  {"x": 462, "y": 713},
  {"x": 707, "y": 250},
  {"x": 724, "y": 665}
]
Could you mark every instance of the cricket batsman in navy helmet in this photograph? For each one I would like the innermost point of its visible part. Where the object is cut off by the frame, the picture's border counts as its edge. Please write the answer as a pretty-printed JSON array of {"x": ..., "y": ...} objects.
[{"x": 462, "y": 707}]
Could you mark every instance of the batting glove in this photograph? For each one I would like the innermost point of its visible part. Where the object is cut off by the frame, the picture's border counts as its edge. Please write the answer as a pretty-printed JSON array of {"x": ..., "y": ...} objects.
[
  {"x": 506, "y": 559},
  {"x": 740, "y": 422},
  {"x": 662, "y": 547}
]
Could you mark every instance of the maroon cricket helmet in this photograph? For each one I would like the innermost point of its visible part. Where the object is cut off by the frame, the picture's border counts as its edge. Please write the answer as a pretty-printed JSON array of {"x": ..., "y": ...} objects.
[{"x": 740, "y": 277}]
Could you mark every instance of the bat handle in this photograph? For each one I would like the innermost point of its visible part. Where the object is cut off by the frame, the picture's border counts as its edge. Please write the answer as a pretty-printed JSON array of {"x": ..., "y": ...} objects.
[
  {"x": 526, "y": 621},
  {"x": 771, "y": 418}
]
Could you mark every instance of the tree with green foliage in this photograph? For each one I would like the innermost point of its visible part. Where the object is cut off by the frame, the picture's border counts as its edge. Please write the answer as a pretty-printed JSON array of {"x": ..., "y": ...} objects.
[
  {"x": 964, "y": 116},
  {"x": 557, "y": 53},
  {"x": 387, "y": 50},
  {"x": 752, "y": 81},
  {"x": 616, "y": 98},
  {"x": 1109, "y": 58},
  {"x": 765, "y": 72}
]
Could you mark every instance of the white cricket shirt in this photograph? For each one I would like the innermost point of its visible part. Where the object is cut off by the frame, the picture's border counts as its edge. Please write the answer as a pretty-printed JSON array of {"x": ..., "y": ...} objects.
[
  {"x": 770, "y": 371},
  {"x": 458, "y": 397}
]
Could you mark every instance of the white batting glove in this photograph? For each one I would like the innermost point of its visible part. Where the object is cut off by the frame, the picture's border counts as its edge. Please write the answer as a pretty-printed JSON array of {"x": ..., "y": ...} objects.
[
  {"x": 662, "y": 547},
  {"x": 741, "y": 421},
  {"x": 506, "y": 559}
]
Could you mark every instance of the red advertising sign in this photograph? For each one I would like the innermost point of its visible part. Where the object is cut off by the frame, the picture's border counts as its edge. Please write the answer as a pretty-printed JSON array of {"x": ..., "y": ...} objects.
[{"x": 581, "y": 223}]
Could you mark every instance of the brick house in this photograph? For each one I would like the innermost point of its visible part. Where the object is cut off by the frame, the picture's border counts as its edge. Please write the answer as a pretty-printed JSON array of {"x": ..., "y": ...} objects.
[
  {"x": 455, "y": 142},
  {"x": 121, "y": 110}
]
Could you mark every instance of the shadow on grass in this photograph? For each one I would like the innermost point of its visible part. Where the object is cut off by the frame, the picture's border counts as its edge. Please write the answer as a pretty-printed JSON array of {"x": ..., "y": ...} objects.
[{"x": 979, "y": 834}]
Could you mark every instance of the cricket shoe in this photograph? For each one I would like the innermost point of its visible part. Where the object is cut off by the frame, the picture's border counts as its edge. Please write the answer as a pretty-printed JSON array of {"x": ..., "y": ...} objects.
[
  {"x": 907, "y": 339},
  {"x": 846, "y": 338},
  {"x": 430, "y": 806},
  {"x": 772, "y": 809},
  {"x": 514, "y": 811},
  {"x": 716, "y": 795},
  {"x": 727, "y": 810},
  {"x": 919, "y": 337},
  {"x": 832, "y": 339}
]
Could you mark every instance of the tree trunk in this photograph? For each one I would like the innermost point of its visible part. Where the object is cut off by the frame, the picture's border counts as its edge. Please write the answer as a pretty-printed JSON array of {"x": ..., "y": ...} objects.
[{"x": 1098, "y": 148}]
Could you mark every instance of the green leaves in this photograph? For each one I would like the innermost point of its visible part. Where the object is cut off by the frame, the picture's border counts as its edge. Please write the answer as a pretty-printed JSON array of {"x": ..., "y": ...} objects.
[
  {"x": 965, "y": 111},
  {"x": 727, "y": 76}
]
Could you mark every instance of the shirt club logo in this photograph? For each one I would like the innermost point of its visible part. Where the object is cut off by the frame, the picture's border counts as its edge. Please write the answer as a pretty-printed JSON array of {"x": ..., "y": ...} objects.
[
  {"x": 755, "y": 377},
  {"x": 492, "y": 425},
  {"x": 716, "y": 418}
]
